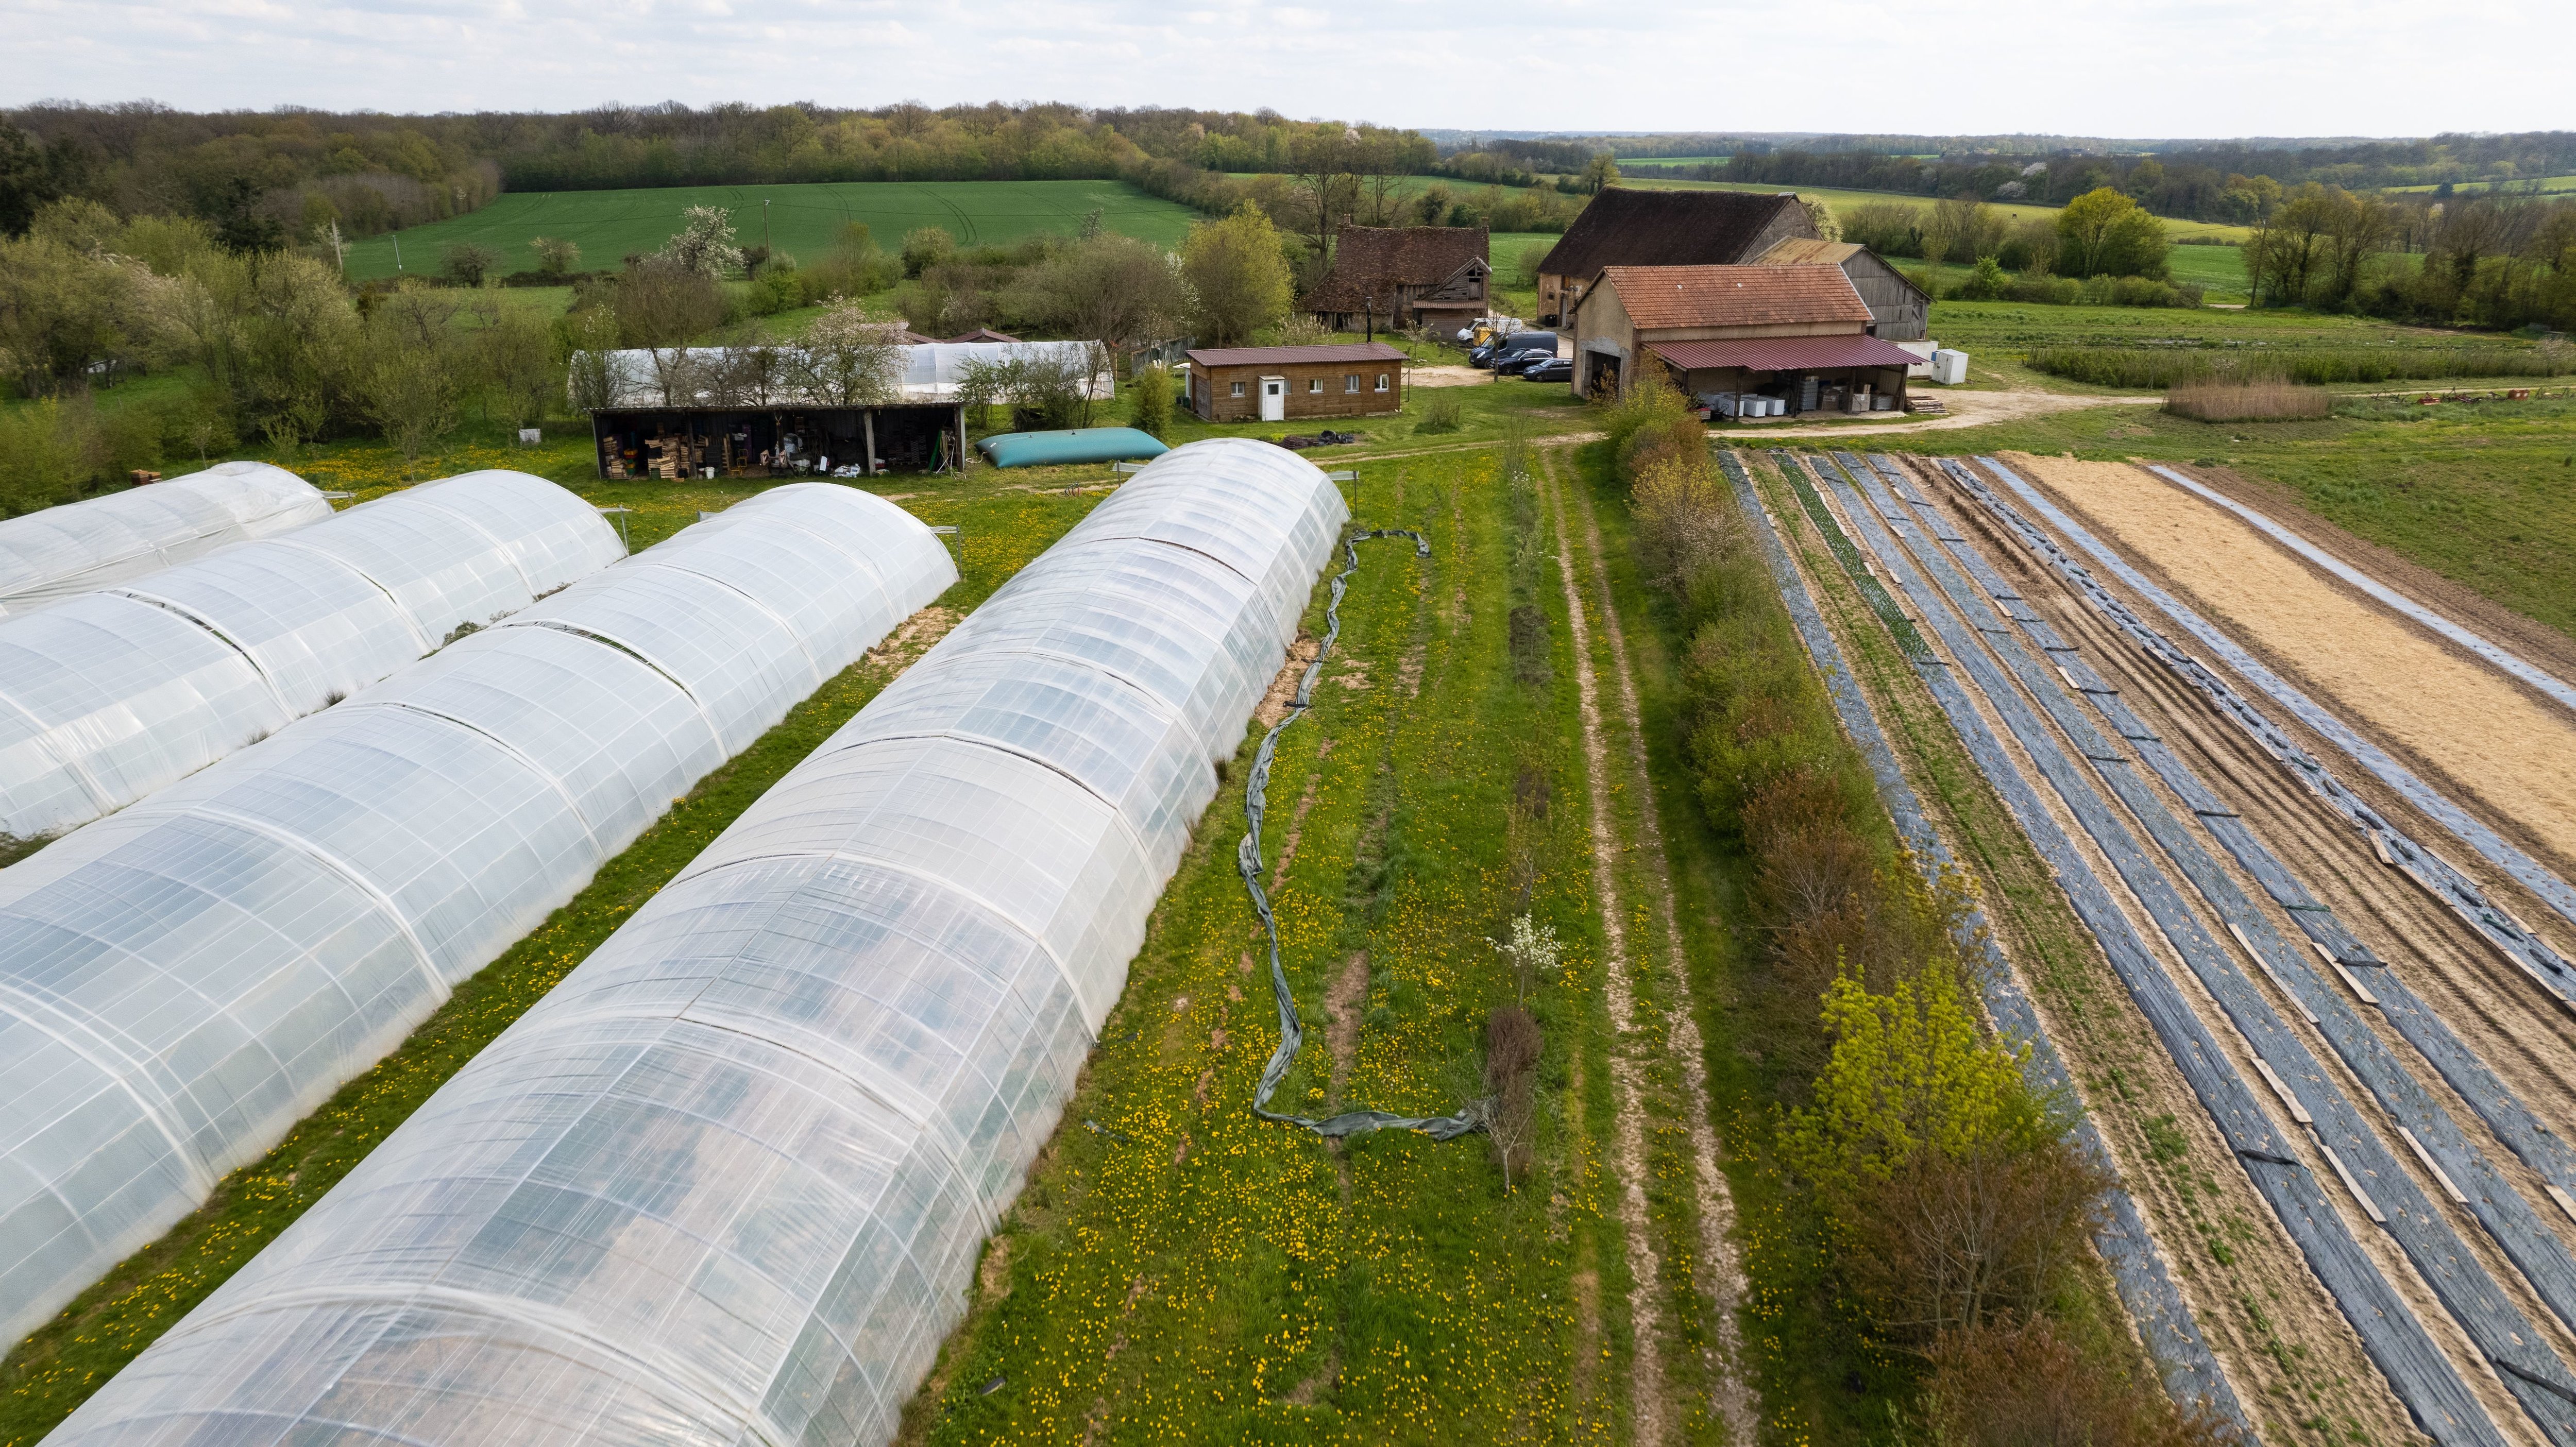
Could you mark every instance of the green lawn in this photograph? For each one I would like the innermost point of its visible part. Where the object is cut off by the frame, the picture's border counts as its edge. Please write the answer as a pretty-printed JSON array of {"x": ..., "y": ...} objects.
[{"x": 608, "y": 225}]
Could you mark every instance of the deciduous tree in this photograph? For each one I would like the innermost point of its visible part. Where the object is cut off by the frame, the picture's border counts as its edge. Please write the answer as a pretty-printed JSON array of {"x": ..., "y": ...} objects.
[{"x": 1238, "y": 275}]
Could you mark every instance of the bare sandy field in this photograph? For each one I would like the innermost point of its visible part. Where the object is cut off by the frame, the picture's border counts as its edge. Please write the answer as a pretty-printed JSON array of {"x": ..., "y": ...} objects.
[{"x": 2484, "y": 735}]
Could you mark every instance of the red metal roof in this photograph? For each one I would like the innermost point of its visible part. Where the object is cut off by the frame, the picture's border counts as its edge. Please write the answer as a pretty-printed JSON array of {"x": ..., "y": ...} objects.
[
  {"x": 1784, "y": 354},
  {"x": 1293, "y": 356}
]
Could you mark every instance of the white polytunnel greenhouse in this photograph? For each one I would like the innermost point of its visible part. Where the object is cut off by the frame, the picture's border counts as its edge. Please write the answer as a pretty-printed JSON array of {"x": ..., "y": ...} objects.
[
  {"x": 128, "y": 688},
  {"x": 57, "y": 552},
  {"x": 726, "y": 1184},
  {"x": 183, "y": 981}
]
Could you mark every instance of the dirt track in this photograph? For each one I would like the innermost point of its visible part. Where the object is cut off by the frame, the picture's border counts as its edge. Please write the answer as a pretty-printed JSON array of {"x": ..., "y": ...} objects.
[
  {"x": 1967, "y": 409},
  {"x": 2483, "y": 739}
]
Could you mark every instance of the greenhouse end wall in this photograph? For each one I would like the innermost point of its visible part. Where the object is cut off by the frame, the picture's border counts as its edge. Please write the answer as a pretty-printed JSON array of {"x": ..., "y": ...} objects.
[
  {"x": 106, "y": 697},
  {"x": 182, "y": 982},
  {"x": 727, "y": 1183},
  {"x": 59, "y": 552}
]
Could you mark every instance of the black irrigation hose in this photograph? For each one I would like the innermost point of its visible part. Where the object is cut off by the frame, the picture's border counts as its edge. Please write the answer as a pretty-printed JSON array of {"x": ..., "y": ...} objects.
[{"x": 1247, "y": 860}]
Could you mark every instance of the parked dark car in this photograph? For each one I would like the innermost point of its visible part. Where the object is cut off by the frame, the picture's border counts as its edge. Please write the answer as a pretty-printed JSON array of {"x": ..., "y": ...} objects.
[
  {"x": 1515, "y": 363},
  {"x": 1550, "y": 369},
  {"x": 1501, "y": 347}
]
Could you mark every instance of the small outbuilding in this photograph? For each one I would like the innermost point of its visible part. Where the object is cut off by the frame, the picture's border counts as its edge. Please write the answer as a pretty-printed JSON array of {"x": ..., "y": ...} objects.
[
  {"x": 1623, "y": 226},
  {"x": 1798, "y": 335},
  {"x": 1398, "y": 276},
  {"x": 1285, "y": 384}
]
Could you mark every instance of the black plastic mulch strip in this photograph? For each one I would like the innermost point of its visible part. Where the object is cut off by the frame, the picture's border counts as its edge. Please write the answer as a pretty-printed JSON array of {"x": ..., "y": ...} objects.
[
  {"x": 2540, "y": 1147},
  {"x": 2421, "y": 1375},
  {"x": 2456, "y": 889},
  {"x": 2164, "y": 1320},
  {"x": 2535, "y": 1250}
]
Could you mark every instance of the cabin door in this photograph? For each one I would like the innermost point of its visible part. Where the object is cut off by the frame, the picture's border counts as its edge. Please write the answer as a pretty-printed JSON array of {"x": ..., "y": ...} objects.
[{"x": 1274, "y": 399}]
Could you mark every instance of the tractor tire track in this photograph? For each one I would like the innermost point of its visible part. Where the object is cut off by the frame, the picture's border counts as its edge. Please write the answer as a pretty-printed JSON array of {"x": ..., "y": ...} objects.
[{"x": 1715, "y": 1265}]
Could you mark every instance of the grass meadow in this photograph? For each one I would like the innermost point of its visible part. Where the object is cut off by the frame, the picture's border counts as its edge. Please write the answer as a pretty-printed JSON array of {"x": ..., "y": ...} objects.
[{"x": 609, "y": 225}]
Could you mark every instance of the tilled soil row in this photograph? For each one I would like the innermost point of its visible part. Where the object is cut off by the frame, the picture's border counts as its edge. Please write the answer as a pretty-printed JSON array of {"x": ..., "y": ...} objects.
[
  {"x": 2293, "y": 1357},
  {"x": 2309, "y": 841}
]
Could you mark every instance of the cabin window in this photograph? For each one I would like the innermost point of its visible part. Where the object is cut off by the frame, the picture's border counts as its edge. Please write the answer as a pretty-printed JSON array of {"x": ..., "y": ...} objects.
[
  {"x": 1314, "y": 384},
  {"x": 1350, "y": 381},
  {"x": 1381, "y": 381},
  {"x": 1238, "y": 389}
]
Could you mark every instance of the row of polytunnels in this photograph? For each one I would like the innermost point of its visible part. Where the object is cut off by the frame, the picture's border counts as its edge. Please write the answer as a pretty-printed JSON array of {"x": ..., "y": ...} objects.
[{"x": 725, "y": 1182}]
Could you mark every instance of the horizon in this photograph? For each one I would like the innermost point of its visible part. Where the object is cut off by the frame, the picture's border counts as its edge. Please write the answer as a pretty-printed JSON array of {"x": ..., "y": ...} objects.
[{"x": 2304, "y": 70}]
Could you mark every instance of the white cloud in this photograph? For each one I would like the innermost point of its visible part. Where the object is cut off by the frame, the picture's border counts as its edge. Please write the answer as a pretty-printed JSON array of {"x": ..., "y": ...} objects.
[{"x": 2156, "y": 68}]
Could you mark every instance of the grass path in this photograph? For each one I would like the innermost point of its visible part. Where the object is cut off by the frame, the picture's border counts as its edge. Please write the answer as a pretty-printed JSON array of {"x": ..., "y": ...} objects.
[{"x": 1714, "y": 1267}]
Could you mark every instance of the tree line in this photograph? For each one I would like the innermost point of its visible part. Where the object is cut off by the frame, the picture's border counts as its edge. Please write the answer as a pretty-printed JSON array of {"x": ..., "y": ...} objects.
[
  {"x": 2238, "y": 182},
  {"x": 1935, "y": 1206},
  {"x": 2495, "y": 260}
]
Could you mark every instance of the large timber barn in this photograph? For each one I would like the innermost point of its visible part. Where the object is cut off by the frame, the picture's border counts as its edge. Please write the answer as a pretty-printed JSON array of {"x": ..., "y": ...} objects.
[
  {"x": 1627, "y": 227},
  {"x": 1796, "y": 333}
]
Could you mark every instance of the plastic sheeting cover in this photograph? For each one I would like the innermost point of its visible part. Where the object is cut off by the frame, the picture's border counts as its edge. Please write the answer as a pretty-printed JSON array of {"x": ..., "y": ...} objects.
[
  {"x": 106, "y": 697},
  {"x": 58, "y": 552},
  {"x": 726, "y": 1184},
  {"x": 179, "y": 984}
]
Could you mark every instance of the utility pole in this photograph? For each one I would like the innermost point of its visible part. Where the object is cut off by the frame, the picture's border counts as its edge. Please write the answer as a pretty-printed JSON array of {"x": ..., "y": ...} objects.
[
  {"x": 764, "y": 223},
  {"x": 397, "y": 252}
]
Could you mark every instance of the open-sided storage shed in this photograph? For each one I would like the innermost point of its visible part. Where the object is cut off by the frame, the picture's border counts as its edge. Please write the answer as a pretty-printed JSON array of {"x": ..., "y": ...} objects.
[
  {"x": 126, "y": 689},
  {"x": 182, "y": 982},
  {"x": 58, "y": 552},
  {"x": 726, "y": 1184}
]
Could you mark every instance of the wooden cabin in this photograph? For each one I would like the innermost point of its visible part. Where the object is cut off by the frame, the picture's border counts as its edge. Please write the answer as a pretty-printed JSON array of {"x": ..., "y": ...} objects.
[
  {"x": 1627, "y": 227},
  {"x": 1291, "y": 384}
]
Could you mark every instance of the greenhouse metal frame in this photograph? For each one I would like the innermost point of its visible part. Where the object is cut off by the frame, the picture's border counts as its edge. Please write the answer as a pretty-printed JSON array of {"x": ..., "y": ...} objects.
[
  {"x": 182, "y": 982},
  {"x": 60, "y": 552},
  {"x": 123, "y": 690},
  {"x": 727, "y": 1183}
]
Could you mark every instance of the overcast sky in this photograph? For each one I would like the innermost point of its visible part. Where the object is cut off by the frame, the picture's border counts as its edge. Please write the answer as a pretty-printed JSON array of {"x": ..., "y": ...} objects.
[{"x": 2149, "y": 68}]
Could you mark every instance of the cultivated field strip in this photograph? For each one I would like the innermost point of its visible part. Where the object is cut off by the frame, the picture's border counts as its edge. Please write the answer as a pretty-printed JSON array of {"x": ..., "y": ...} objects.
[
  {"x": 2460, "y": 1167},
  {"x": 2503, "y": 1333},
  {"x": 2386, "y": 989},
  {"x": 2164, "y": 1321},
  {"x": 2419, "y": 1371},
  {"x": 2494, "y": 848},
  {"x": 2538, "y": 678}
]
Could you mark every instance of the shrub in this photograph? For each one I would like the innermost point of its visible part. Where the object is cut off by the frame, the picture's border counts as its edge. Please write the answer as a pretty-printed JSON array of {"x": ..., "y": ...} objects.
[
  {"x": 1987, "y": 283},
  {"x": 1512, "y": 1046},
  {"x": 925, "y": 247},
  {"x": 1442, "y": 412},
  {"x": 2023, "y": 1384},
  {"x": 465, "y": 263},
  {"x": 1149, "y": 400},
  {"x": 1653, "y": 421},
  {"x": 2163, "y": 367},
  {"x": 2248, "y": 402}
]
